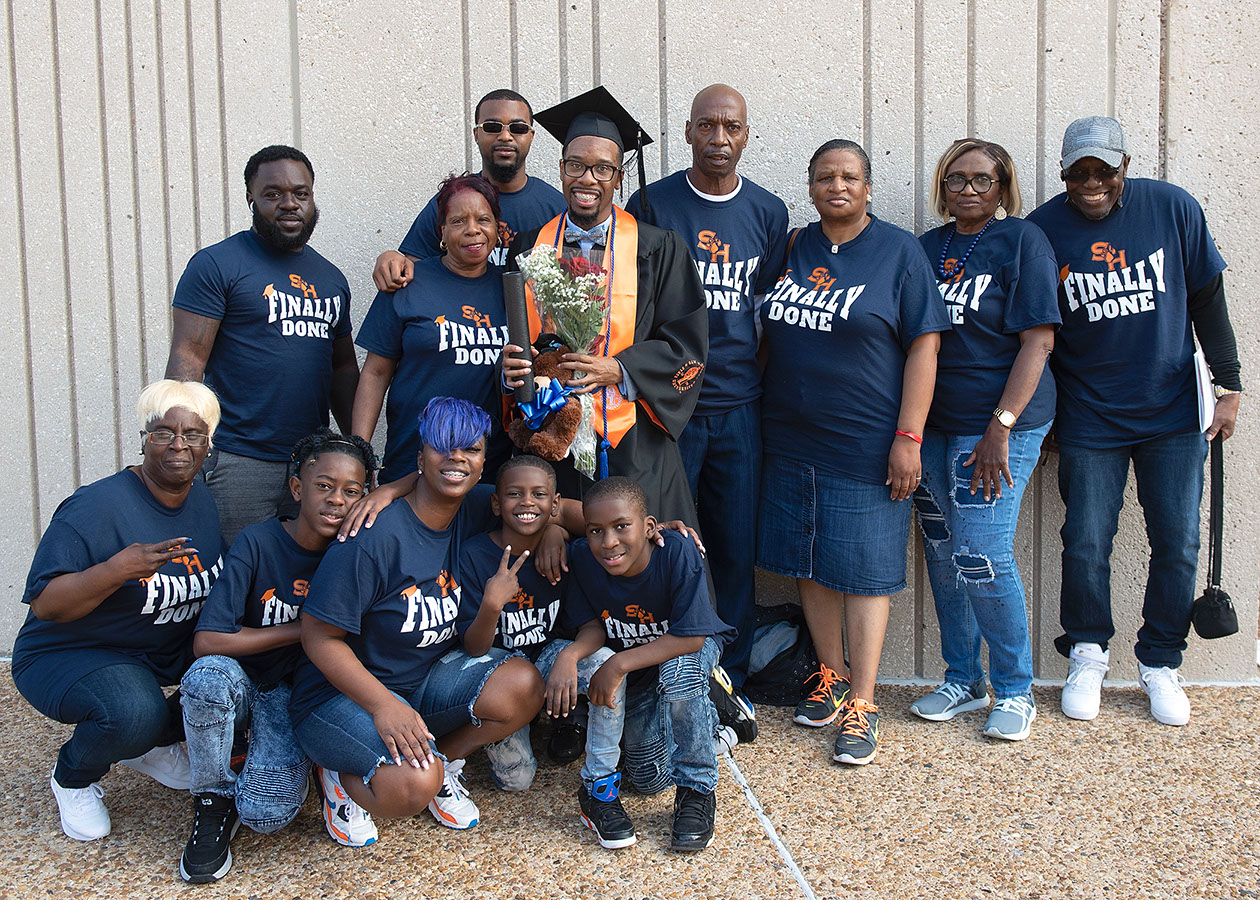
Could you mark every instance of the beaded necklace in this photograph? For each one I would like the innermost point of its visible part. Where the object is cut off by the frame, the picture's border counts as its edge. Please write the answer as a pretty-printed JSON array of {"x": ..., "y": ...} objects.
[{"x": 958, "y": 266}]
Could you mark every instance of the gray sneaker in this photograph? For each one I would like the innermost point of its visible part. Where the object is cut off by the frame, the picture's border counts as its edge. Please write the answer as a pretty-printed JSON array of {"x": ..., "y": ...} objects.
[
  {"x": 1011, "y": 719},
  {"x": 949, "y": 700}
]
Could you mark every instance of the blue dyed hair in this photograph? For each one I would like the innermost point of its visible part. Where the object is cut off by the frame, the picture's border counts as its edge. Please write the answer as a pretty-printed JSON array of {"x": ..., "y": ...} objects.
[{"x": 448, "y": 423}]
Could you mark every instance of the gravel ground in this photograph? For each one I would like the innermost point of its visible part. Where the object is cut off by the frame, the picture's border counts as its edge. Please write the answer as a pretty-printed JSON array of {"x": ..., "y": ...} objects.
[{"x": 1116, "y": 808}]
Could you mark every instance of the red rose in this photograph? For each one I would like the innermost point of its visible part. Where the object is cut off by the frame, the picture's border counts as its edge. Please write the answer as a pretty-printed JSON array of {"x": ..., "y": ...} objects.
[{"x": 577, "y": 266}]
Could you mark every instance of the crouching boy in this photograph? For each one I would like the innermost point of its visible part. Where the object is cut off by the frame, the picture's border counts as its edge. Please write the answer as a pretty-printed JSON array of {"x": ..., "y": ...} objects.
[{"x": 651, "y": 605}]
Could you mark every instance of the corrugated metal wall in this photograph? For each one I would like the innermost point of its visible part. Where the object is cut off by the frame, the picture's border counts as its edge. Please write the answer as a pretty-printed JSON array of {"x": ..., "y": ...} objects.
[{"x": 126, "y": 124}]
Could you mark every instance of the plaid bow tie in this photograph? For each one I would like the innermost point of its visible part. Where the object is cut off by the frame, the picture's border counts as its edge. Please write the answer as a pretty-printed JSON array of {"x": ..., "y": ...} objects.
[{"x": 597, "y": 235}]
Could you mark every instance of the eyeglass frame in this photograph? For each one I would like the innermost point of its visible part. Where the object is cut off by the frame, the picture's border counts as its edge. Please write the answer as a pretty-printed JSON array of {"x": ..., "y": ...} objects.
[
  {"x": 510, "y": 126},
  {"x": 194, "y": 440},
  {"x": 1074, "y": 176},
  {"x": 588, "y": 168},
  {"x": 970, "y": 181}
]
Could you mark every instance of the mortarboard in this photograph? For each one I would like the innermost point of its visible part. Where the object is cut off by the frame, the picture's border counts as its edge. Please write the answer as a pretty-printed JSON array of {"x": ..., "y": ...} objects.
[{"x": 597, "y": 113}]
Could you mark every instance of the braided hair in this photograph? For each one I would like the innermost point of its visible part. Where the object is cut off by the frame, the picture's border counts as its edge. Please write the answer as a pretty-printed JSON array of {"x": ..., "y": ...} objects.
[{"x": 325, "y": 440}]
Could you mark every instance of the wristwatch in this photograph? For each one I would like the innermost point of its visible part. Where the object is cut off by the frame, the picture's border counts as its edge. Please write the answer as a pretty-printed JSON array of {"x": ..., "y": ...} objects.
[
  {"x": 1006, "y": 417},
  {"x": 1220, "y": 392}
]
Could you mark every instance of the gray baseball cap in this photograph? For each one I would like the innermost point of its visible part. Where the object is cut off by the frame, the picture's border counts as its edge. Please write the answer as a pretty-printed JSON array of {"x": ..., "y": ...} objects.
[{"x": 1098, "y": 136}]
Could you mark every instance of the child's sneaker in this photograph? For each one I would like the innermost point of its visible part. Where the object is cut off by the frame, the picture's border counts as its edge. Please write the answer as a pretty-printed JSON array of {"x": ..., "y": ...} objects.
[
  {"x": 347, "y": 822},
  {"x": 1011, "y": 719},
  {"x": 167, "y": 765},
  {"x": 452, "y": 806},
  {"x": 694, "y": 815},
  {"x": 1082, "y": 693},
  {"x": 1169, "y": 703},
  {"x": 949, "y": 700},
  {"x": 733, "y": 708},
  {"x": 724, "y": 740},
  {"x": 825, "y": 701},
  {"x": 208, "y": 854},
  {"x": 603, "y": 813},
  {"x": 567, "y": 742},
  {"x": 859, "y": 734},
  {"x": 83, "y": 814}
]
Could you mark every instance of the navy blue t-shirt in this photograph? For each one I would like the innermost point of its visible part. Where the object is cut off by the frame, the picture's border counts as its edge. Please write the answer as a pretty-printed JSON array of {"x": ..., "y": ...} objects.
[
  {"x": 1123, "y": 360},
  {"x": 150, "y": 620},
  {"x": 532, "y": 206},
  {"x": 395, "y": 590},
  {"x": 446, "y": 332},
  {"x": 529, "y": 619},
  {"x": 271, "y": 364},
  {"x": 265, "y": 579},
  {"x": 738, "y": 243},
  {"x": 838, "y": 327},
  {"x": 670, "y": 596},
  {"x": 1006, "y": 286}
]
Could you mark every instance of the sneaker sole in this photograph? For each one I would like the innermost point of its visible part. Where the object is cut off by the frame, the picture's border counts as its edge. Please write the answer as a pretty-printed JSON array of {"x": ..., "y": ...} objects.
[
  {"x": 950, "y": 713},
  {"x": 852, "y": 760},
  {"x": 162, "y": 778},
  {"x": 1169, "y": 720},
  {"x": 450, "y": 821},
  {"x": 689, "y": 846},
  {"x": 1081, "y": 715},
  {"x": 80, "y": 836},
  {"x": 606, "y": 843},
  {"x": 816, "y": 723},
  {"x": 1017, "y": 736},
  {"x": 218, "y": 873}
]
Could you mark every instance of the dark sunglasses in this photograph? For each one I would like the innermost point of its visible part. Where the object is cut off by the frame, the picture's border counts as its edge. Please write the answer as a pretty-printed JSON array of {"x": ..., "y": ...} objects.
[
  {"x": 495, "y": 127},
  {"x": 1078, "y": 176}
]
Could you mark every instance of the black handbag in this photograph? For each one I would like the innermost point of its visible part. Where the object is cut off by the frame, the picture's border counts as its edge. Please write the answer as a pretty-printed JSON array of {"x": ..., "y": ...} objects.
[{"x": 1214, "y": 615}]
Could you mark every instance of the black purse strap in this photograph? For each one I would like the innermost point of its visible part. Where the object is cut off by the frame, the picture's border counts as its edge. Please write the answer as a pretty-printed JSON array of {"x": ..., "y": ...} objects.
[{"x": 1216, "y": 513}]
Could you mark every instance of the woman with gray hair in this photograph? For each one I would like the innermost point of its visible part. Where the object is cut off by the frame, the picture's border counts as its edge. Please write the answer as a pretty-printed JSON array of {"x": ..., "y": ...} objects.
[{"x": 114, "y": 591}]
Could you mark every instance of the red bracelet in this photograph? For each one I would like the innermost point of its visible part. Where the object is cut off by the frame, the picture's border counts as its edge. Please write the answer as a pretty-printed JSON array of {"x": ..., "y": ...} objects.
[{"x": 918, "y": 439}]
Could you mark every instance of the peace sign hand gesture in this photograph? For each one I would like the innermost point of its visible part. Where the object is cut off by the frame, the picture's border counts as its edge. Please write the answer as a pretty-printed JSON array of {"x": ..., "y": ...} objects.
[{"x": 503, "y": 585}]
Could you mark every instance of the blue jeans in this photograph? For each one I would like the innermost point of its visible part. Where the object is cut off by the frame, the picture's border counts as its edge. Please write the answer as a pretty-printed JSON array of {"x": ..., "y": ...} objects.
[
  {"x": 119, "y": 712},
  {"x": 1169, "y": 474},
  {"x": 968, "y": 544},
  {"x": 722, "y": 456},
  {"x": 512, "y": 762},
  {"x": 219, "y": 700},
  {"x": 669, "y": 727}
]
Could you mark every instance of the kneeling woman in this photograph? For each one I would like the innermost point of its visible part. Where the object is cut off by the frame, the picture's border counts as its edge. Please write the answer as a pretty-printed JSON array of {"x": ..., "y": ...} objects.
[
  {"x": 248, "y": 646},
  {"x": 385, "y": 676},
  {"x": 114, "y": 590}
]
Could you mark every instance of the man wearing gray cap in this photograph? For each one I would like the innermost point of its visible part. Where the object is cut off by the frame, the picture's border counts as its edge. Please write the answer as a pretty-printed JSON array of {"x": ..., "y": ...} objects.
[{"x": 1137, "y": 269}]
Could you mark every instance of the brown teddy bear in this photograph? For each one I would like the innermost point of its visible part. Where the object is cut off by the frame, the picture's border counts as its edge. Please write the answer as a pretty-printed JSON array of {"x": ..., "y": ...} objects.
[{"x": 553, "y": 440}]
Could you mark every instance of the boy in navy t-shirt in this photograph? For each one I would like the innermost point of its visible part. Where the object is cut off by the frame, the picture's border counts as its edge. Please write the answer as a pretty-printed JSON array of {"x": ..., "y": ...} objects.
[
  {"x": 508, "y": 604},
  {"x": 651, "y": 605}
]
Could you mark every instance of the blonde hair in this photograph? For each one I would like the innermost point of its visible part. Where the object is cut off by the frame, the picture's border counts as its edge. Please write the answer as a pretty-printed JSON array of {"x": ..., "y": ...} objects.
[
  {"x": 161, "y": 397},
  {"x": 1008, "y": 182}
]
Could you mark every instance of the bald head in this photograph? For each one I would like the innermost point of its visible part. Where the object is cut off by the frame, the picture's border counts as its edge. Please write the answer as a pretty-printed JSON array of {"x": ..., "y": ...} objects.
[{"x": 718, "y": 133}]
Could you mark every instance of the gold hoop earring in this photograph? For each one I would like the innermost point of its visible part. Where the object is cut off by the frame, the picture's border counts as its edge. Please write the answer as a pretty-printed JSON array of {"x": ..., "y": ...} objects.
[{"x": 442, "y": 244}]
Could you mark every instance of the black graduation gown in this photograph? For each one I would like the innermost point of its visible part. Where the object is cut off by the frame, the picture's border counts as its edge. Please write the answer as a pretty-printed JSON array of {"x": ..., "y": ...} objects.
[{"x": 671, "y": 339}]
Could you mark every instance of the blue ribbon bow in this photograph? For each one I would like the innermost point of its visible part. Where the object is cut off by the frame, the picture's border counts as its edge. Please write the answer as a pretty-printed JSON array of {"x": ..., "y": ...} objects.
[{"x": 546, "y": 400}]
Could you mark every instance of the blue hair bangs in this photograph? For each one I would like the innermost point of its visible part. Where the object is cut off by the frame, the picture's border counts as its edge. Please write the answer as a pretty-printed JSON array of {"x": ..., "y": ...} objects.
[{"x": 448, "y": 423}]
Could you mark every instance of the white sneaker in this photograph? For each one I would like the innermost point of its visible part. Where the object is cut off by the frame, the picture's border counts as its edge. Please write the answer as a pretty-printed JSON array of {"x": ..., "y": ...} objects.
[
  {"x": 1169, "y": 703},
  {"x": 347, "y": 822},
  {"x": 1087, "y": 666},
  {"x": 83, "y": 815},
  {"x": 167, "y": 765},
  {"x": 452, "y": 806},
  {"x": 724, "y": 740}
]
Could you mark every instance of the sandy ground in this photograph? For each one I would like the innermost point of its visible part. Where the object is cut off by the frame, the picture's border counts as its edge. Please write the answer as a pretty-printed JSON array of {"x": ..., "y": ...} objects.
[{"x": 1115, "y": 808}]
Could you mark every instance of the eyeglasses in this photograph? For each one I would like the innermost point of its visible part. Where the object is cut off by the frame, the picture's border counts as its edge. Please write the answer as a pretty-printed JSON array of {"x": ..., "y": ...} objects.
[
  {"x": 956, "y": 183},
  {"x": 1080, "y": 176},
  {"x": 163, "y": 437},
  {"x": 493, "y": 126},
  {"x": 572, "y": 168}
]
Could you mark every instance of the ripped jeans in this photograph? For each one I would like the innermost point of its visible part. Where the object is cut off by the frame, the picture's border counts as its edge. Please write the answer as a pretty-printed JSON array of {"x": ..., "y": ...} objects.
[{"x": 968, "y": 544}]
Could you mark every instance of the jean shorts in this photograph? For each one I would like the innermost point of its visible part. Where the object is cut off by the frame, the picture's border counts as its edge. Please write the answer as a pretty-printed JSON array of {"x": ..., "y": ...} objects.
[
  {"x": 843, "y": 534},
  {"x": 340, "y": 735}
]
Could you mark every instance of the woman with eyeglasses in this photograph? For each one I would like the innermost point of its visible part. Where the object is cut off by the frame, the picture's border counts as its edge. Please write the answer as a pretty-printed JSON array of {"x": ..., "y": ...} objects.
[
  {"x": 993, "y": 405},
  {"x": 440, "y": 335},
  {"x": 114, "y": 590}
]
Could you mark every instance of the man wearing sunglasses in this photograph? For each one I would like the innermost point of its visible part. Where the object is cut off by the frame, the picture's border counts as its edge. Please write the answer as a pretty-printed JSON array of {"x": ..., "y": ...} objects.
[
  {"x": 1137, "y": 270},
  {"x": 504, "y": 131}
]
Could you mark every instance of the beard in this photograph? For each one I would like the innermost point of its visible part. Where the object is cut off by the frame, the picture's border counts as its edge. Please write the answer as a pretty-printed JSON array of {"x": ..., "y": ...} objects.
[
  {"x": 273, "y": 237},
  {"x": 502, "y": 174},
  {"x": 584, "y": 221}
]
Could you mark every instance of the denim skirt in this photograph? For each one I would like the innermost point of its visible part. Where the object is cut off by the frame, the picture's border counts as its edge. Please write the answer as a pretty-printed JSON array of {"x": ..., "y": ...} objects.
[{"x": 838, "y": 532}]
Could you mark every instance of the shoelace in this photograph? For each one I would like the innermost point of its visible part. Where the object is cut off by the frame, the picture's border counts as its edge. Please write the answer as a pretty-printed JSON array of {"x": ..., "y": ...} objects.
[
  {"x": 208, "y": 825},
  {"x": 83, "y": 800},
  {"x": 1163, "y": 682},
  {"x": 855, "y": 722},
  {"x": 826, "y": 680},
  {"x": 1017, "y": 705},
  {"x": 954, "y": 693},
  {"x": 1086, "y": 673},
  {"x": 453, "y": 778}
]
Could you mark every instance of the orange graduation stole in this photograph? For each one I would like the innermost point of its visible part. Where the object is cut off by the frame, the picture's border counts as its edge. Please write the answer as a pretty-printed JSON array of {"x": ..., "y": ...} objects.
[{"x": 623, "y": 288}]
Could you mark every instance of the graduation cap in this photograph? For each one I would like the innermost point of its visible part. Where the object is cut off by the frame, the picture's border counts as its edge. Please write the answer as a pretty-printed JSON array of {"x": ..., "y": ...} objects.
[{"x": 597, "y": 113}]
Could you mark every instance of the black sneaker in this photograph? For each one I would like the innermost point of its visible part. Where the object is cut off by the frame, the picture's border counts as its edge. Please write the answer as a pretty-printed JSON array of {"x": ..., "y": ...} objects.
[
  {"x": 859, "y": 734},
  {"x": 733, "y": 709},
  {"x": 694, "y": 815},
  {"x": 825, "y": 701},
  {"x": 567, "y": 743},
  {"x": 208, "y": 855},
  {"x": 603, "y": 813}
]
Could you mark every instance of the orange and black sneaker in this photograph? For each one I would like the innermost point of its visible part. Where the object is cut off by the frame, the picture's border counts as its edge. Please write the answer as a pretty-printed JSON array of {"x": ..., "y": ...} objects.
[
  {"x": 859, "y": 733},
  {"x": 825, "y": 700}
]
